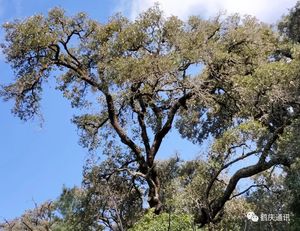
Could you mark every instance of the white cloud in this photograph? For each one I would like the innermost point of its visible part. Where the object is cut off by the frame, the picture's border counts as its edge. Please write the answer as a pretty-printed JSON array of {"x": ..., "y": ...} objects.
[{"x": 266, "y": 10}]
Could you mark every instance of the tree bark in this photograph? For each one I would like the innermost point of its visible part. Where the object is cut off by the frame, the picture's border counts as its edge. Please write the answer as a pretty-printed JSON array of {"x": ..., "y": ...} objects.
[{"x": 154, "y": 191}]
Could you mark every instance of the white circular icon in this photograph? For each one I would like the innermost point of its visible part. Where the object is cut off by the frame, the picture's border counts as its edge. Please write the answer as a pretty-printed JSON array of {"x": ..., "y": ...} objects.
[{"x": 252, "y": 216}]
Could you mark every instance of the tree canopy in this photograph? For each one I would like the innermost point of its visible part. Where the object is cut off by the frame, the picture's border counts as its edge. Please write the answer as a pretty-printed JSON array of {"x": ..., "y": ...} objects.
[{"x": 232, "y": 81}]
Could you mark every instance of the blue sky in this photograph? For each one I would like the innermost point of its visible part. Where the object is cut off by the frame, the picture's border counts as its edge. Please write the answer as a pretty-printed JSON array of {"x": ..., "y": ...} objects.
[{"x": 35, "y": 162}]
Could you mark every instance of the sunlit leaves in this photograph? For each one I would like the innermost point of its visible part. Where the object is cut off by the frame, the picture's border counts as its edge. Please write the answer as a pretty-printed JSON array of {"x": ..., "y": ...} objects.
[{"x": 165, "y": 221}]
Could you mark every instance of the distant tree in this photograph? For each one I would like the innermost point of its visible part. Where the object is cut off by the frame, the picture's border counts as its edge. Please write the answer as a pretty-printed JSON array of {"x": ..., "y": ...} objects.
[
  {"x": 41, "y": 218},
  {"x": 136, "y": 80},
  {"x": 290, "y": 23},
  {"x": 112, "y": 199},
  {"x": 116, "y": 204}
]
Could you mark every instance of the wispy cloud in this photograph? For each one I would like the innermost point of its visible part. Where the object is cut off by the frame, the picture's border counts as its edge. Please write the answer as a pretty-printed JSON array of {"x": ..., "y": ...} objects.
[{"x": 266, "y": 10}]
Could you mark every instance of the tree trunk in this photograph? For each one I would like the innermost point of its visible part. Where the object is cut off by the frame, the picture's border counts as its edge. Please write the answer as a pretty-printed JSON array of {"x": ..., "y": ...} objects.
[{"x": 154, "y": 191}]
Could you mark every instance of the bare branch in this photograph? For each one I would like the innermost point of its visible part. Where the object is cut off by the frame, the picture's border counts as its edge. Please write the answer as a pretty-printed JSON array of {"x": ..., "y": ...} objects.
[
  {"x": 27, "y": 226},
  {"x": 132, "y": 173},
  {"x": 247, "y": 189}
]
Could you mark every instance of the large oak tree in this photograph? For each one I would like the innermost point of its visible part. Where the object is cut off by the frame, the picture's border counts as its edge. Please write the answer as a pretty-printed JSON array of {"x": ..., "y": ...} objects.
[{"x": 227, "y": 80}]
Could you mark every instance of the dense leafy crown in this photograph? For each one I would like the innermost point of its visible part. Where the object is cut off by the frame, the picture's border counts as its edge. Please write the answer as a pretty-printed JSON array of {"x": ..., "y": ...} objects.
[{"x": 229, "y": 79}]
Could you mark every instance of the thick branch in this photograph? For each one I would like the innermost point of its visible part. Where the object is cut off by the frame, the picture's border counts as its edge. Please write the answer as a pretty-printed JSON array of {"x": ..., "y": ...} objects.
[
  {"x": 141, "y": 120},
  {"x": 240, "y": 174},
  {"x": 273, "y": 139},
  {"x": 249, "y": 171},
  {"x": 215, "y": 177},
  {"x": 77, "y": 69},
  {"x": 121, "y": 133},
  {"x": 167, "y": 126},
  {"x": 65, "y": 45}
]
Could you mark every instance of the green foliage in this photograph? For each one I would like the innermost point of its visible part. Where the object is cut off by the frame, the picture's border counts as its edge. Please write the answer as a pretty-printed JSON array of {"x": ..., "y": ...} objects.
[
  {"x": 133, "y": 83},
  {"x": 289, "y": 25},
  {"x": 164, "y": 222}
]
